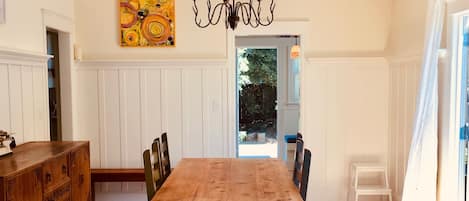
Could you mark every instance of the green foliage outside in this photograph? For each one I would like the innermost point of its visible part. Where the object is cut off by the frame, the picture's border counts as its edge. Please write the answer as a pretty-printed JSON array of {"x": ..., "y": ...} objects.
[
  {"x": 258, "y": 93},
  {"x": 262, "y": 65}
]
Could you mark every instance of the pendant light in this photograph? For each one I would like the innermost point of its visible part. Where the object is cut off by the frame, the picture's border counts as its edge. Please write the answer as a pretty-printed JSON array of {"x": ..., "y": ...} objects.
[{"x": 295, "y": 50}]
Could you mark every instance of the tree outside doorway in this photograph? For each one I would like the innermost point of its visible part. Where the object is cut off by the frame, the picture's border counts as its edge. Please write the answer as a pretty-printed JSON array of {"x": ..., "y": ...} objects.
[{"x": 257, "y": 86}]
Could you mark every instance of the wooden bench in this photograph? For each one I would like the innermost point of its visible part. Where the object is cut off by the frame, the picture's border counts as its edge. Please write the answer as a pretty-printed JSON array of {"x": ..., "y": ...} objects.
[{"x": 115, "y": 175}]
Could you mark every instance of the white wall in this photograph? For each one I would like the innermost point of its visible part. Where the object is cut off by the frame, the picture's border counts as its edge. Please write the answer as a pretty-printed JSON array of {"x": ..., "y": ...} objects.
[
  {"x": 406, "y": 37},
  {"x": 345, "y": 120},
  {"x": 338, "y": 27},
  {"x": 24, "y": 27}
]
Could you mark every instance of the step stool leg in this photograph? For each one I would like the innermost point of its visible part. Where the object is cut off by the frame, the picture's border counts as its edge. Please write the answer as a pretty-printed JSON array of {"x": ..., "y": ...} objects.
[
  {"x": 356, "y": 196},
  {"x": 390, "y": 196}
]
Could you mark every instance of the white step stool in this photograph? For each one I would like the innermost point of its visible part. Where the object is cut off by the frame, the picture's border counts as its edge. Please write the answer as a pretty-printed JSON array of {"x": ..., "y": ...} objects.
[{"x": 360, "y": 169}]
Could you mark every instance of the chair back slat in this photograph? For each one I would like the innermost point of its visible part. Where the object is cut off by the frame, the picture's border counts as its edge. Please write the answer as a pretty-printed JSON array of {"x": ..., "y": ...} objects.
[
  {"x": 299, "y": 136},
  {"x": 153, "y": 170},
  {"x": 166, "y": 163},
  {"x": 305, "y": 174},
  {"x": 298, "y": 162},
  {"x": 150, "y": 186}
]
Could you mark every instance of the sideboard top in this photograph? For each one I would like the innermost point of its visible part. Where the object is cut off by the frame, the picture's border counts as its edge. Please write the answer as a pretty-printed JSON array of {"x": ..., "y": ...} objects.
[{"x": 32, "y": 154}]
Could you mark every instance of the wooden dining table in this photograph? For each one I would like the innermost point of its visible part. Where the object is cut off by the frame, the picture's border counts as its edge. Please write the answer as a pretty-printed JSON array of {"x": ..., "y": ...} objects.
[{"x": 229, "y": 180}]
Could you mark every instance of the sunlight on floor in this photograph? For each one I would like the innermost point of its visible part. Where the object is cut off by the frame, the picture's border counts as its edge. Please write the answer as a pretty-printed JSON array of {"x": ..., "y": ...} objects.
[{"x": 267, "y": 150}]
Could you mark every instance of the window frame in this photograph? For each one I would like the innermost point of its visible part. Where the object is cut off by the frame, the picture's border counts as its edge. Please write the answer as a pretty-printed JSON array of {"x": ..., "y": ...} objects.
[{"x": 450, "y": 185}]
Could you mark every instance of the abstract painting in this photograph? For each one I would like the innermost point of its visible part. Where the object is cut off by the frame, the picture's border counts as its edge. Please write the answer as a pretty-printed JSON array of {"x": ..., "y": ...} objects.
[{"x": 147, "y": 23}]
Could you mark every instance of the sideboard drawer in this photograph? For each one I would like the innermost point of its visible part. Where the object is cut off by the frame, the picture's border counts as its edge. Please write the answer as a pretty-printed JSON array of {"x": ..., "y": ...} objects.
[
  {"x": 46, "y": 171},
  {"x": 61, "y": 194},
  {"x": 55, "y": 172}
]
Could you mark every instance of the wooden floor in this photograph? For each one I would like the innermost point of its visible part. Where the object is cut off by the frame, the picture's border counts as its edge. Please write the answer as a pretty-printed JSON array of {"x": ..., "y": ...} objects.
[{"x": 229, "y": 180}]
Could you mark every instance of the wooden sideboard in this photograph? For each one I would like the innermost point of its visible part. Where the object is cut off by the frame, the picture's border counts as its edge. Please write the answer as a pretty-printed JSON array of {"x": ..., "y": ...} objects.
[{"x": 46, "y": 171}]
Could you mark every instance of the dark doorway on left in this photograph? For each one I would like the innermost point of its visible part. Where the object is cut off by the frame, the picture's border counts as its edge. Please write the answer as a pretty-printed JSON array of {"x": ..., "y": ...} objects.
[{"x": 53, "y": 66}]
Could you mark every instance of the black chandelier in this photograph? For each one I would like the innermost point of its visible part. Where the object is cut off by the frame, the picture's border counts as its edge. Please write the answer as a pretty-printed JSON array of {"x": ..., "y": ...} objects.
[{"x": 233, "y": 11}]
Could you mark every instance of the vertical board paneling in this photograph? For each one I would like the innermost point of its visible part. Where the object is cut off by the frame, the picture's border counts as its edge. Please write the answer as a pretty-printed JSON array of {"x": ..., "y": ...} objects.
[
  {"x": 39, "y": 109},
  {"x": 405, "y": 77},
  {"x": 16, "y": 106},
  {"x": 151, "y": 106},
  {"x": 135, "y": 105},
  {"x": 110, "y": 133},
  {"x": 212, "y": 113},
  {"x": 173, "y": 114},
  {"x": 225, "y": 113},
  {"x": 130, "y": 109},
  {"x": 24, "y": 105},
  {"x": 111, "y": 140},
  {"x": 336, "y": 134},
  {"x": 88, "y": 117},
  {"x": 28, "y": 104},
  {"x": 192, "y": 106},
  {"x": 130, "y": 118},
  {"x": 130, "y": 106},
  {"x": 344, "y": 120},
  {"x": 5, "y": 122},
  {"x": 316, "y": 83}
]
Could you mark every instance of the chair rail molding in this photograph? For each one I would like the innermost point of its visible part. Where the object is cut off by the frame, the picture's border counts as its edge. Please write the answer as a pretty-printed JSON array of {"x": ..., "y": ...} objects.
[
  {"x": 14, "y": 56},
  {"x": 150, "y": 64}
]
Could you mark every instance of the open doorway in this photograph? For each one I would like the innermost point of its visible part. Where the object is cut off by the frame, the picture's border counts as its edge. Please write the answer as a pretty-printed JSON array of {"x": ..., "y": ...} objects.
[
  {"x": 267, "y": 95},
  {"x": 53, "y": 71}
]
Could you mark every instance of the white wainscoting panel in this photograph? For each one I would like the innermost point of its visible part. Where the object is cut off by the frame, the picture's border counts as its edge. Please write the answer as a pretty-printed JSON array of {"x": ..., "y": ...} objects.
[
  {"x": 122, "y": 106},
  {"x": 404, "y": 85},
  {"x": 344, "y": 119},
  {"x": 24, "y": 104}
]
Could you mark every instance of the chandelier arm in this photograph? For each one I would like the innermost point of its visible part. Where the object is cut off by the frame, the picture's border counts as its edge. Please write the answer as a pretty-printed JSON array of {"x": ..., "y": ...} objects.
[
  {"x": 244, "y": 7},
  {"x": 227, "y": 13},
  {"x": 269, "y": 20},
  {"x": 196, "y": 12},
  {"x": 255, "y": 19},
  {"x": 211, "y": 17}
]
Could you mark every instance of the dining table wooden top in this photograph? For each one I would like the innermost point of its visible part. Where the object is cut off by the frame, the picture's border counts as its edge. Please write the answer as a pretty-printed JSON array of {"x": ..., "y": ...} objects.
[{"x": 229, "y": 179}]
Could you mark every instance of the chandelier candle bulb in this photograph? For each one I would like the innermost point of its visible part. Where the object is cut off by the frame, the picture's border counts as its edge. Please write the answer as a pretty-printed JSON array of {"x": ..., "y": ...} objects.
[{"x": 234, "y": 11}]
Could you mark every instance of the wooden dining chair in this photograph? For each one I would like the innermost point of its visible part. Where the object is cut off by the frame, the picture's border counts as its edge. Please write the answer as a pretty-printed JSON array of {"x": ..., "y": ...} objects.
[
  {"x": 299, "y": 136},
  {"x": 153, "y": 170},
  {"x": 298, "y": 161},
  {"x": 165, "y": 156},
  {"x": 305, "y": 174}
]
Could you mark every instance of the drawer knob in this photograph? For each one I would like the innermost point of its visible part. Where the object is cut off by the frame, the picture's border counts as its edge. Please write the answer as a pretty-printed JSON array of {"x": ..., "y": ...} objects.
[
  {"x": 64, "y": 169},
  {"x": 48, "y": 177}
]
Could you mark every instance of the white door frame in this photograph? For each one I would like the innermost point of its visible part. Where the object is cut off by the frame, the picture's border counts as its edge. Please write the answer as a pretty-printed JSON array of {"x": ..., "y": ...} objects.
[
  {"x": 65, "y": 27},
  {"x": 450, "y": 186},
  {"x": 279, "y": 27},
  {"x": 283, "y": 65}
]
